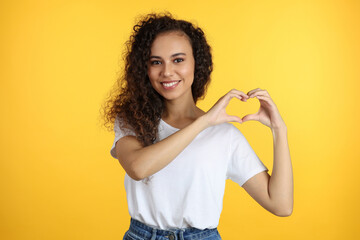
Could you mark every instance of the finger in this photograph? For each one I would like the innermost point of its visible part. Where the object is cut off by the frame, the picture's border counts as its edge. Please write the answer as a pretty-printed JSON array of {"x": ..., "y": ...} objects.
[
  {"x": 252, "y": 91},
  {"x": 265, "y": 98},
  {"x": 234, "y": 119},
  {"x": 231, "y": 95},
  {"x": 240, "y": 93},
  {"x": 258, "y": 90},
  {"x": 250, "y": 117},
  {"x": 259, "y": 93},
  {"x": 225, "y": 100}
]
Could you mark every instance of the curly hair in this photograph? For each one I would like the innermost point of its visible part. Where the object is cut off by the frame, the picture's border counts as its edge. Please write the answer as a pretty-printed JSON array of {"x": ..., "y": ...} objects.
[{"x": 136, "y": 103}]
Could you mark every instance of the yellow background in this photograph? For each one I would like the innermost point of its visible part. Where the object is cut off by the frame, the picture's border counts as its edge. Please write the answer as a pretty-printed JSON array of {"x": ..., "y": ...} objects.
[{"x": 59, "y": 59}]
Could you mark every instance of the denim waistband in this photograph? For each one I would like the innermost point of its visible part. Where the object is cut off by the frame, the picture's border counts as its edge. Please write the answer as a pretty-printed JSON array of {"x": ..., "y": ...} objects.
[{"x": 149, "y": 232}]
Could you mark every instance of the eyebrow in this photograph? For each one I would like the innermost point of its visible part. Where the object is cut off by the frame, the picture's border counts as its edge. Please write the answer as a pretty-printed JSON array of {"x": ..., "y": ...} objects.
[{"x": 174, "y": 55}]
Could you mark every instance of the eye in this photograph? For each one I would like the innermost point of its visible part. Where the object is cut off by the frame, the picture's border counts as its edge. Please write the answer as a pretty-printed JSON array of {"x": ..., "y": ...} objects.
[
  {"x": 155, "y": 62},
  {"x": 177, "y": 60}
]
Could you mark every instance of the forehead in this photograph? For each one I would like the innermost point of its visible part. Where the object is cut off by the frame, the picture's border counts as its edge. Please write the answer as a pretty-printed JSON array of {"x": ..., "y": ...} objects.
[{"x": 171, "y": 42}]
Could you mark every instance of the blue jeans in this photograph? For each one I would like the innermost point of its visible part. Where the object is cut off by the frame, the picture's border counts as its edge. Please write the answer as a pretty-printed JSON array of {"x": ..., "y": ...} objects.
[{"x": 141, "y": 231}]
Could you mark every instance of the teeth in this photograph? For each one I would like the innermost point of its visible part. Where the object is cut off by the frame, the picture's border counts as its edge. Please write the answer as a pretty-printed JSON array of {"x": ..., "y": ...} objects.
[{"x": 169, "y": 84}]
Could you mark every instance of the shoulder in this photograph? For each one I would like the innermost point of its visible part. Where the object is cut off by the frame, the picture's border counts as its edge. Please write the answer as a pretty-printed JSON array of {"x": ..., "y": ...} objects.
[
  {"x": 121, "y": 128},
  {"x": 226, "y": 131},
  {"x": 230, "y": 132},
  {"x": 226, "y": 128}
]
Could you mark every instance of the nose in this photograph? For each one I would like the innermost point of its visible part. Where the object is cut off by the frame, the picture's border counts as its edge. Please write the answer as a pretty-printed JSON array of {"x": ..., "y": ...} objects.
[{"x": 168, "y": 70}]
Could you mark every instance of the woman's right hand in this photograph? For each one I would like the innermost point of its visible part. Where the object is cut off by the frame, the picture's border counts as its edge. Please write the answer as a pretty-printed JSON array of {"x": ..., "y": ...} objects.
[{"x": 217, "y": 114}]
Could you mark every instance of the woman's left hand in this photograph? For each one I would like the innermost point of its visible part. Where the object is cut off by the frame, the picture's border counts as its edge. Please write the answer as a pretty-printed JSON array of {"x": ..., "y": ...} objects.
[{"x": 268, "y": 113}]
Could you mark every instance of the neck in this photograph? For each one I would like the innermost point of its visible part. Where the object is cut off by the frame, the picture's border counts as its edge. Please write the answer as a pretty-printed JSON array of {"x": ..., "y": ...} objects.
[{"x": 181, "y": 109}]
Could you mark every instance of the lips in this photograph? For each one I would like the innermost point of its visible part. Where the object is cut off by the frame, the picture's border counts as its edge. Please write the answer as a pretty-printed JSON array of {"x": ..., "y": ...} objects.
[{"x": 170, "y": 84}]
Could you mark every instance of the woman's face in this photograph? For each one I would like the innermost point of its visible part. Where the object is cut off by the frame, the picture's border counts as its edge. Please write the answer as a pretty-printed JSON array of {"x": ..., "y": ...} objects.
[{"x": 171, "y": 65}]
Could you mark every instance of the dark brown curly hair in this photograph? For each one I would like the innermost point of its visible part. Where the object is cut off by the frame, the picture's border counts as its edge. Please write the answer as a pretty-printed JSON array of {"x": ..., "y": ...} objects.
[{"x": 136, "y": 103}]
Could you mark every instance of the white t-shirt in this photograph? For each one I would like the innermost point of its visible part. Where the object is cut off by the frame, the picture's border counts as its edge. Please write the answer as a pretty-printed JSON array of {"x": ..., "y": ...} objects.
[{"x": 189, "y": 191}]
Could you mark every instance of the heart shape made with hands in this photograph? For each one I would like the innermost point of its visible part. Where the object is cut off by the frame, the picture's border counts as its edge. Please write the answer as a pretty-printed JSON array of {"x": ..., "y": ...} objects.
[{"x": 241, "y": 108}]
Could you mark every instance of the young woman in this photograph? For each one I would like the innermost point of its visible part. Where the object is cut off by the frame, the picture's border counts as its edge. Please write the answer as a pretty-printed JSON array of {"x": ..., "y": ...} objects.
[{"x": 176, "y": 156}]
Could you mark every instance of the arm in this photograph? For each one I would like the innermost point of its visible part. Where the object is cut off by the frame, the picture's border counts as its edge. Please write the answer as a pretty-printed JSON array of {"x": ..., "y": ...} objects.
[
  {"x": 275, "y": 192},
  {"x": 140, "y": 162}
]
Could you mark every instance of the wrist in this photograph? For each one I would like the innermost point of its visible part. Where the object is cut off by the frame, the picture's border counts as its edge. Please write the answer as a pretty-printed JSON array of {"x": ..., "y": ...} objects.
[
  {"x": 279, "y": 130},
  {"x": 279, "y": 126},
  {"x": 203, "y": 122}
]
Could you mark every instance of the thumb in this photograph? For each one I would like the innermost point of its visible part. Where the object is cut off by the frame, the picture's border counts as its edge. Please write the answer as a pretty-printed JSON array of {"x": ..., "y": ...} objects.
[
  {"x": 250, "y": 117},
  {"x": 234, "y": 119}
]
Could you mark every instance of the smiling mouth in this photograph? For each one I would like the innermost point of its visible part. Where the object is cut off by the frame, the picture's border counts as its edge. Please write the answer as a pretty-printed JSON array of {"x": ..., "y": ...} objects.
[{"x": 170, "y": 84}]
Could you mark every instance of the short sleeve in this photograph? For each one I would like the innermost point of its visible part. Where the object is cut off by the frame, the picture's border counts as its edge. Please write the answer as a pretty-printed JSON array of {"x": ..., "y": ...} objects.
[
  {"x": 120, "y": 131},
  {"x": 243, "y": 163}
]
